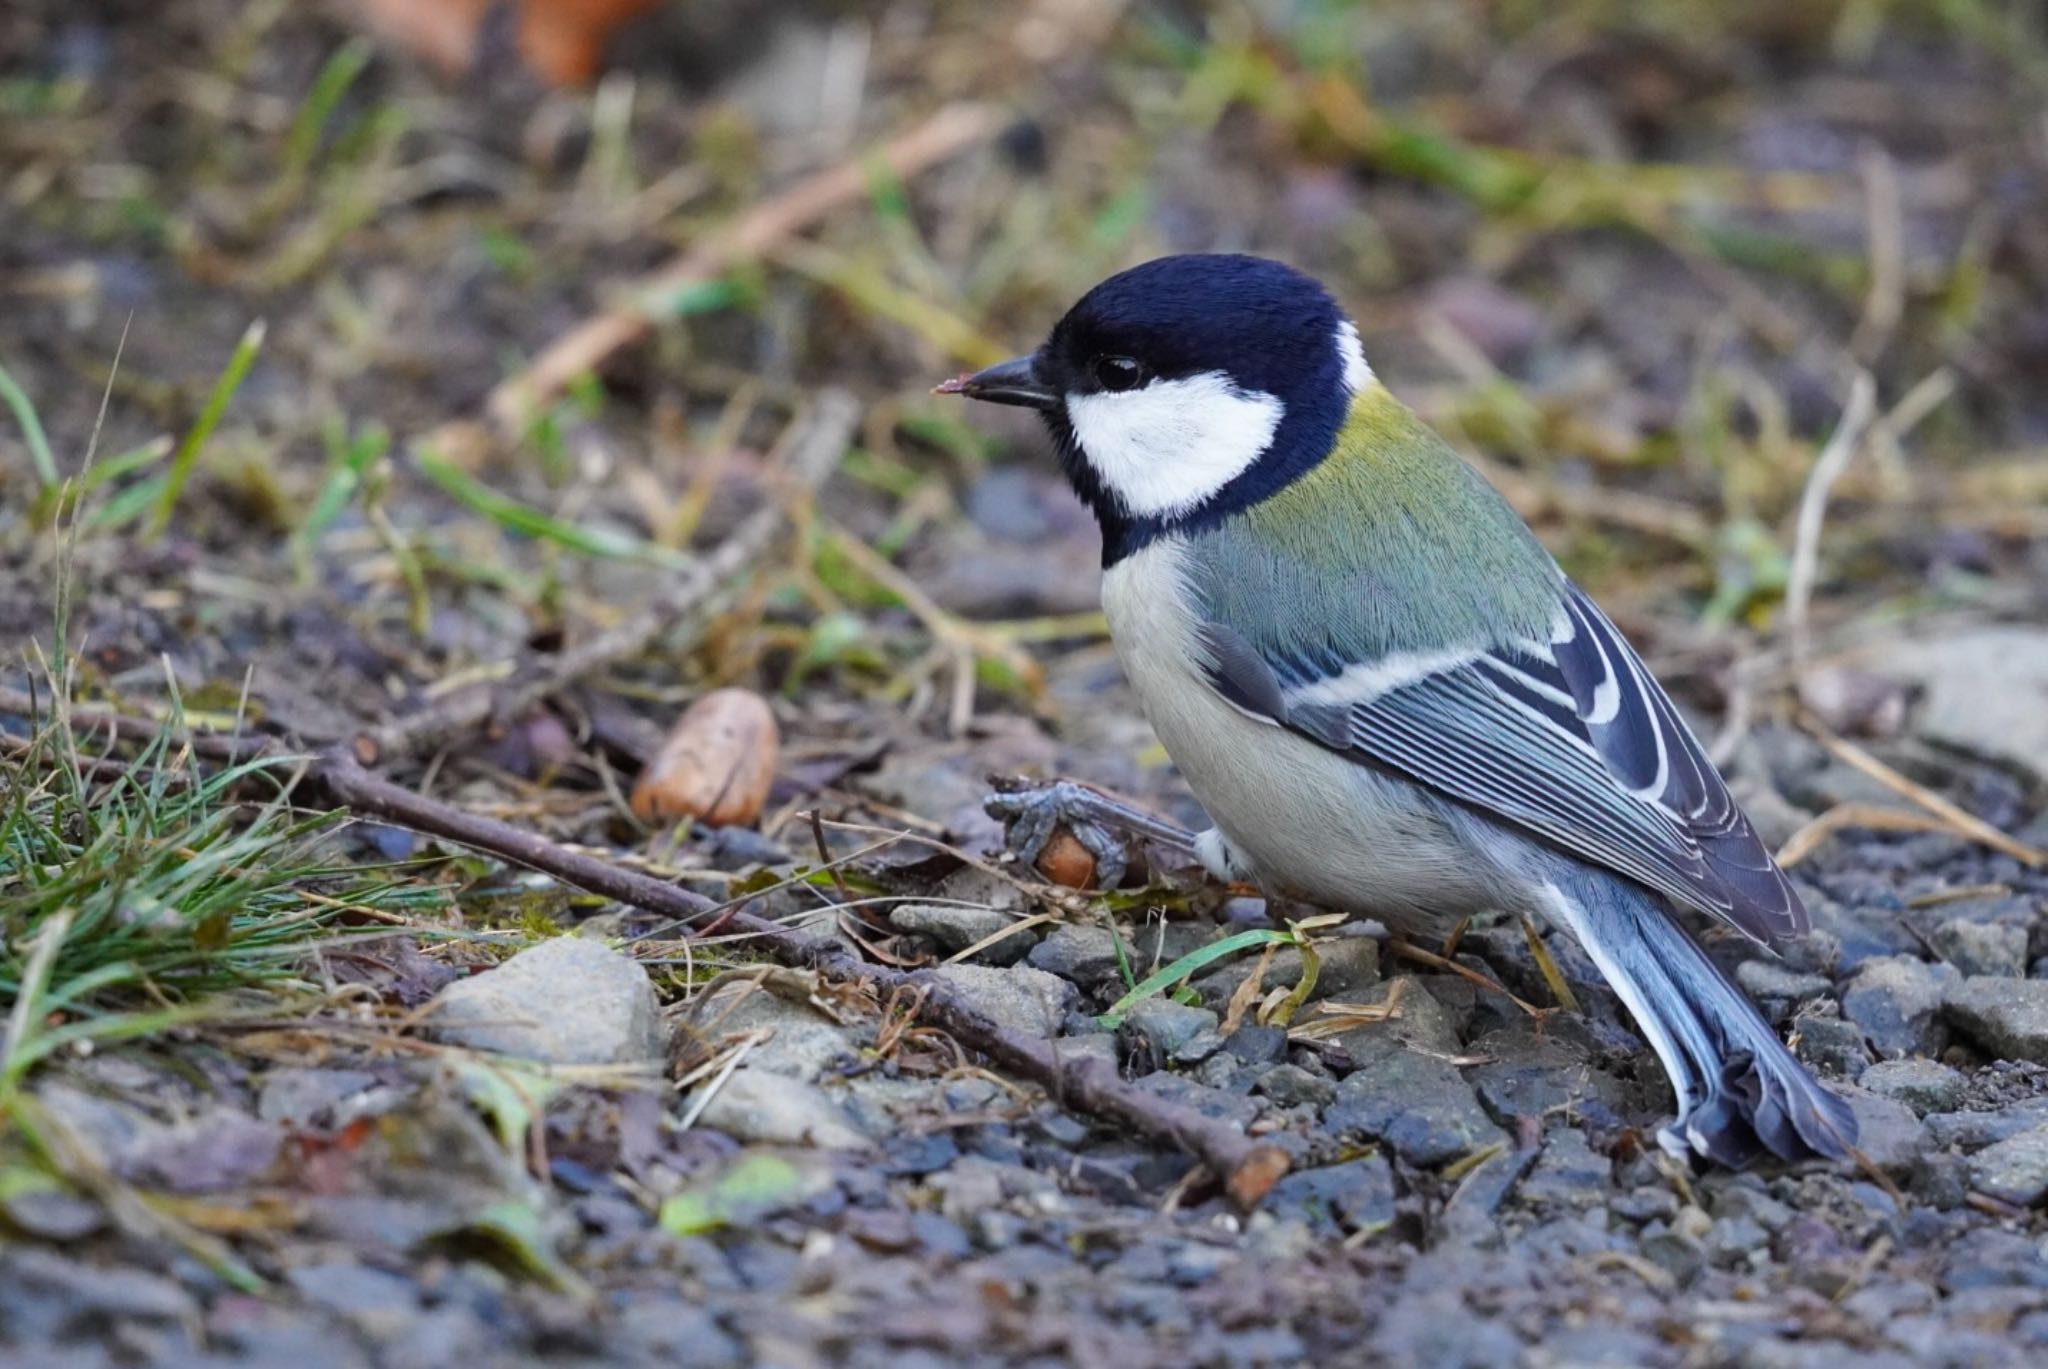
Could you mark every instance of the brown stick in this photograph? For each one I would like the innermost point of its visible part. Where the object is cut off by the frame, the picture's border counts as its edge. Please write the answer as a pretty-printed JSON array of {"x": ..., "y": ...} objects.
[
  {"x": 589, "y": 344},
  {"x": 1247, "y": 1169}
]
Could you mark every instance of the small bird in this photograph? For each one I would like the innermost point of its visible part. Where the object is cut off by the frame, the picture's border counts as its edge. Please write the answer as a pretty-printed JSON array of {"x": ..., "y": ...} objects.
[{"x": 1387, "y": 696}]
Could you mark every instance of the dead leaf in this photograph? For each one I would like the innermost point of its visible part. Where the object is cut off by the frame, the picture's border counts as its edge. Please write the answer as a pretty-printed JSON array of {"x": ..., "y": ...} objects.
[{"x": 717, "y": 764}]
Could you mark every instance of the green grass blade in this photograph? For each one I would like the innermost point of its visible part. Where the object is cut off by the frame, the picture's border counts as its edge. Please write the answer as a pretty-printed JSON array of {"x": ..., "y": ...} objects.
[
  {"x": 31, "y": 429},
  {"x": 509, "y": 513},
  {"x": 187, "y": 456},
  {"x": 339, "y": 73},
  {"x": 1158, "y": 981}
]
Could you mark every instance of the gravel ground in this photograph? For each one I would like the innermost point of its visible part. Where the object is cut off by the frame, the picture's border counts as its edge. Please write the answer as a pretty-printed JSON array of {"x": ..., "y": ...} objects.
[{"x": 1472, "y": 1184}]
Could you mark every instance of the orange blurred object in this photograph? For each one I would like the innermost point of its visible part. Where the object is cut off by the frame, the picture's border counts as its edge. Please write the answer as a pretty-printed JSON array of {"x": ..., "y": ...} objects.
[
  {"x": 718, "y": 763},
  {"x": 561, "y": 41}
]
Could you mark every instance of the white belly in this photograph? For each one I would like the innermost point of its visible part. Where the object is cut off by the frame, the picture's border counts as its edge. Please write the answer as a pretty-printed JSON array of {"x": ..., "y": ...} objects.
[{"x": 1310, "y": 823}]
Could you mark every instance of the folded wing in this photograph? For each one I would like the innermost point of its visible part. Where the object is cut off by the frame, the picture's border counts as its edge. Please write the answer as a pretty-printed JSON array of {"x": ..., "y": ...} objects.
[{"x": 1569, "y": 739}]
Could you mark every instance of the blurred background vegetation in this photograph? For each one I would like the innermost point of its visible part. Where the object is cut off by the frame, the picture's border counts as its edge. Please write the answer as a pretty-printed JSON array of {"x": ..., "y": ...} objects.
[{"x": 1629, "y": 256}]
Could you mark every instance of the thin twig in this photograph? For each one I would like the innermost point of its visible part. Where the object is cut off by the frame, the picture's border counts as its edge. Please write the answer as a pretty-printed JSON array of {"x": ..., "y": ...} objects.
[
  {"x": 1246, "y": 1168},
  {"x": 1813, "y": 507},
  {"x": 1963, "y": 823}
]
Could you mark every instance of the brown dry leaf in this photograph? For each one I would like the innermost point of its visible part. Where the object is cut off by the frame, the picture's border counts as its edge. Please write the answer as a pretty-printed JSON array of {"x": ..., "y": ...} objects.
[{"x": 717, "y": 763}]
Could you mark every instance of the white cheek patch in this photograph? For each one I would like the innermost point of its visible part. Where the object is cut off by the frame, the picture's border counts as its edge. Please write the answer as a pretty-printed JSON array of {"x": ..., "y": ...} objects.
[
  {"x": 1357, "y": 374},
  {"x": 1164, "y": 449}
]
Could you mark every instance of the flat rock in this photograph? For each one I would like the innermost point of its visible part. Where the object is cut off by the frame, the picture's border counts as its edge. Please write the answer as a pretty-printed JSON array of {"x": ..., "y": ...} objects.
[
  {"x": 1983, "y": 948},
  {"x": 1165, "y": 1026},
  {"x": 757, "y": 1105},
  {"x": 1292, "y": 1086},
  {"x": 1974, "y": 1130},
  {"x": 1896, "y": 1001},
  {"x": 953, "y": 929},
  {"x": 1020, "y": 998},
  {"x": 1532, "y": 1072},
  {"x": 1984, "y": 690},
  {"x": 1888, "y": 1131},
  {"x": 1568, "y": 1173},
  {"x": 1922, "y": 1085},
  {"x": 1777, "y": 988},
  {"x": 1356, "y": 1195},
  {"x": 1080, "y": 952},
  {"x": 1210, "y": 1102},
  {"x": 1422, "y": 1023},
  {"x": 795, "y": 1039},
  {"x": 2008, "y": 1017},
  {"x": 569, "y": 1001},
  {"x": 1833, "y": 1045},
  {"x": 1421, "y": 1107},
  {"x": 2015, "y": 1170}
]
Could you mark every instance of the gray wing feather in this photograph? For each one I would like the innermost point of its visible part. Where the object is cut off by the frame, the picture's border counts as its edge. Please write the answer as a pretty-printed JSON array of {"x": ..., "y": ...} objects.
[{"x": 1571, "y": 740}]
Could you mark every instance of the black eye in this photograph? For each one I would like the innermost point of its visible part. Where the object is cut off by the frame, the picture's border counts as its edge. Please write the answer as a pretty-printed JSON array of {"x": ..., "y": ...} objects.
[{"x": 1120, "y": 373}]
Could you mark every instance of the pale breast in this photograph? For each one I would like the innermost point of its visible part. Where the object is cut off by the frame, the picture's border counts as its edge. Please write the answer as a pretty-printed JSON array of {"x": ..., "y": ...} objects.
[{"x": 1310, "y": 822}]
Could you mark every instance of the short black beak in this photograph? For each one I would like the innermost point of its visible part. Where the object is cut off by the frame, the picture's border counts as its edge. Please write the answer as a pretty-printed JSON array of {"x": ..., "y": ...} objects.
[{"x": 1010, "y": 382}]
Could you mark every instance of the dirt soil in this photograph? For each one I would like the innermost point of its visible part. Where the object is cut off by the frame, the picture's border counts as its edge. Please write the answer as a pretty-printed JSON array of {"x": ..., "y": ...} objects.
[{"x": 1633, "y": 264}]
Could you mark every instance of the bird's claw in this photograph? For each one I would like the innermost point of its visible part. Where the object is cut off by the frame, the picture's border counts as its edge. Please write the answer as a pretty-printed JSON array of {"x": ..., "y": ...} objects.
[{"x": 1033, "y": 816}]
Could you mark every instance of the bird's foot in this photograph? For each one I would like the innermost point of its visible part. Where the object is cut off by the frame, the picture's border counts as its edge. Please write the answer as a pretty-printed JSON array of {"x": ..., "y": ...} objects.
[{"x": 1034, "y": 812}]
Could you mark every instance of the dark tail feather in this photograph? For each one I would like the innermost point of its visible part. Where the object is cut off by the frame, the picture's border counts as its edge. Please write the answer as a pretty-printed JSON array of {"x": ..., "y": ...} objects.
[{"x": 1741, "y": 1094}]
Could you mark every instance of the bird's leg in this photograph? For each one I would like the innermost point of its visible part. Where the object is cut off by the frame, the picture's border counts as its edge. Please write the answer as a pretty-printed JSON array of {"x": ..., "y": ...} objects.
[{"x": 1034, "y": 811}]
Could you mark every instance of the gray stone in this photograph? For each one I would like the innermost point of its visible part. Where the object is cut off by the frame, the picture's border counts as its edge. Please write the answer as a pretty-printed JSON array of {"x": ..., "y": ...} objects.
[
  {"x": 44, "y": 1296},
  {"x": 756, "y": 1105},
  {"x": 1257, "y": 1045},
  {"x": 1357, "y": 1195},
  {"x": 378, "y": 1303},
  {"x": 1972, "y": 1130},
  {"x": 1983, "y": 948},
  {"x": 1922, "y": 1085},
  {"x": 1421, "y": 1107},
  {"x": 1568, "y": 1173},
  {"x": 1099, "y": 1045},
  {"x": 1896, "y": 1000},
  {"x": 1776, "y": 987},
  {"x": 1421, "y": 1023},
  {"x": 309, "y": 1095},
  {"x": 1735, "y": 1241},
  {"x": 1199, "y": 1047},
  {"x": 1983, "y": 690},
  {"x": 1538, "y": 1071},
  {"x": 953, "y": 929},
  {"x": 210, "y": 1150},
  {"x": 1293, "y": 1086},
  {"x": 1942, "y": 1180},
  {"x": 569, "y": 1001},
  {"x": 1079, "y": 952},
  {"x": 2008, "y": 1017},
  {"x": 1835, "y": 1046},
  {"x": 1888, "y": 1131},
  {"x": 793, "y": 1038},
  {"x": 1674, "y": 1249},
  {"x": 1210, "y": 1102},
  {"x": 1020, "y": 998},
  {"x": 1165, "y": 1026},
  {"x": 2015, "y": 1170}
]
